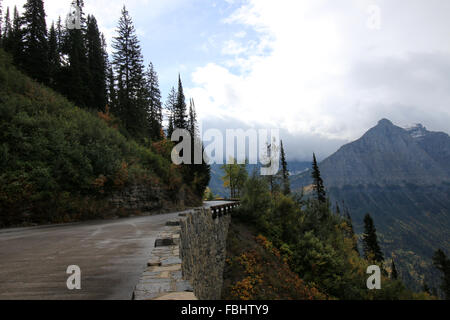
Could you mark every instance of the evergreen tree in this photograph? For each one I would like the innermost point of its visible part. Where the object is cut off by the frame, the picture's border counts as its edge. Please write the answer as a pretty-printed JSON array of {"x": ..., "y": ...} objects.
[
  {"x": 285, "y": 172},
  {"x": 154, "y": 104},
  {"x": 270, "y": 178},
  {"x": 352, "y": 234},
  {"x": 318, "y": 182},
  {"x": 35, "y": 46},
  {"x": 76, "y": 77},
  {"x": 1, "y": 24},
  {"x": 372, "y": 251},
  {"x": 442, "y": 263},
  {"x": 12, "y": 36},
  {"x": 112, "y": 95},
  {"x": 180, "y": 110},
  {"x": 192, "y": 120},
  {"x": 97, "y": 60},
  {"x": 6, "y": 32},
  {"x": 53, "y": 56},
  {"x": 394, "y": 273},
  {"x": 197, "y": 175},
  {"x": 170, "y": 109},
  {"x": 127, "y": 62},
  {"x": 170, "y": 127}
]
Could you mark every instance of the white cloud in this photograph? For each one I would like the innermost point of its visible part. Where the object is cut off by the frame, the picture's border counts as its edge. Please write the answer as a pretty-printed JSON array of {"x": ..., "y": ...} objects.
[{"x": 318, "y": 70}]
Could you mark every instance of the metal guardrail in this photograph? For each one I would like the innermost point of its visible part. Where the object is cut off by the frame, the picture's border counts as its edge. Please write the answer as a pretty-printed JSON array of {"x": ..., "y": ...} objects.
[{"x": 224, "y": 209}]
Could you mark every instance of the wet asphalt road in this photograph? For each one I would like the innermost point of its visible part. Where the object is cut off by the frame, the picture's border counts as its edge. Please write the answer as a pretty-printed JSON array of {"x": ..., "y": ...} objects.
[{"x": 111, "y": 254}]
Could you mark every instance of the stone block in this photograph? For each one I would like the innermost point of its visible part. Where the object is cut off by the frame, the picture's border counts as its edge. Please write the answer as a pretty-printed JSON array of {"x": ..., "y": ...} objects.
[
  {"x": 171, "y": 261},
  {"x": 184, "y": 286},
  {"x": 164, "y": 242},
  {"x": 153, "y": 262}
]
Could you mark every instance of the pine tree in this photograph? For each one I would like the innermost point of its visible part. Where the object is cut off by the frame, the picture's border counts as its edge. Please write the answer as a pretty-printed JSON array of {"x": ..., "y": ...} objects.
[
  {"x": 76, "y": 77},
  {"x": 6, "y": 32},
  {"x": 112, "y": 95},
  {"x": 372, "y": 251},
  {"x": 394, "y": 273},
  {"x": 285, "y": 172},
  {"x": 170, "y": 126},
  {"x": 270, "y": 178},
  {"x": 59, "y": 34},
  {"x": 352, "y": 234},
  {"x": 180, "y": 110},
  {"x": 127, "y": 62},
  {"x": 442, "y": 263},
  {"x": 170, "y": 109},
  {"x": 97, "y": 60},
  {"x": 35, "y": 46},
  {"x": 54, "y": 58},
  {"x": 318, "y": 182},
  {"x": 197, "y": 175},
  {"x": 192, "y": 120},
  {"x": 154, "y": 103},
  {"x": 12, "y": 36},
  {"x": 1, "y": 24}
]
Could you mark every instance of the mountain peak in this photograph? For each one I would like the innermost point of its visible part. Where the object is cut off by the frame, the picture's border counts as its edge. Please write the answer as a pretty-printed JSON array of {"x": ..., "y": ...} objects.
[
  {"x": 385, "y": 122},
  {"x": 417, "y": 131}
]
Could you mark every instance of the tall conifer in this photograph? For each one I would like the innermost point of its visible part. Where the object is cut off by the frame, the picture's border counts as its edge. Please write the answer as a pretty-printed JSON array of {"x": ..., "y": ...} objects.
[
  {"x": 6, "y": 31},
  {"x": 170, "y": 109},
  {"x": 442, "y": 263},
  {"x": 97, "y": 65},
  {"x": 154, "y": 103},
  {"x": 318, "y": 182},
  {"x": 128, "y": 64},
  {"x": 285, "y": 172},
  {"x": 54, "y": 59},
  {"x": 35, "y": 46},
  {"x": 180, "y": 112},
  {"x": 394, "y": 272},
  {"x": 372, "y": 251}
]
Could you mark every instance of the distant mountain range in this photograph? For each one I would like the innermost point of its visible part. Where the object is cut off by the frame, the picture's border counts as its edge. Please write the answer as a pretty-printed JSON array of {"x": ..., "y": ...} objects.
[{"x": 402, "y": 177}]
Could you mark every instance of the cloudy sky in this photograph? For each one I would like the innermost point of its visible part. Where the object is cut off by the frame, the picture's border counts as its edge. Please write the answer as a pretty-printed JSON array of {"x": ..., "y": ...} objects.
[{"x": 323, "y": 71}]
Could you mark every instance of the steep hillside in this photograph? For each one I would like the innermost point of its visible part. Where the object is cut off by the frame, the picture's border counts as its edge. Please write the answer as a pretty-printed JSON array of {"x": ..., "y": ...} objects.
[
  {"x": 402, "y": 178},
  {"x": 255, "y": 270},
  {"x": 60, "y": 163}
]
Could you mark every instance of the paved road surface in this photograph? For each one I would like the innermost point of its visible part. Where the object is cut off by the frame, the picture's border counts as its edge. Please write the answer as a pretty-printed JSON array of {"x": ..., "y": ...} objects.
[{"x": 111, "y": 254}]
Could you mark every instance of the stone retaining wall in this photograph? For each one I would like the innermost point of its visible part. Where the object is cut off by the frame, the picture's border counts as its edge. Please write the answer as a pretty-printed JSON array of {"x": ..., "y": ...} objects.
[
  {"x": 203, "y": 252},
  {"x": 188, "y": 259}
]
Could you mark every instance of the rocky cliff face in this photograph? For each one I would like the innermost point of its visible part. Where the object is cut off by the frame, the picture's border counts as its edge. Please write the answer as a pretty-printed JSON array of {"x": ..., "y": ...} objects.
[{"x": 435, "y": 144}]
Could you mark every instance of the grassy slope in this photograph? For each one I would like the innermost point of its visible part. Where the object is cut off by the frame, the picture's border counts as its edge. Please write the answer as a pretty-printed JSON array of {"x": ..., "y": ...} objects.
[{"x": 58, "y": 162}]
